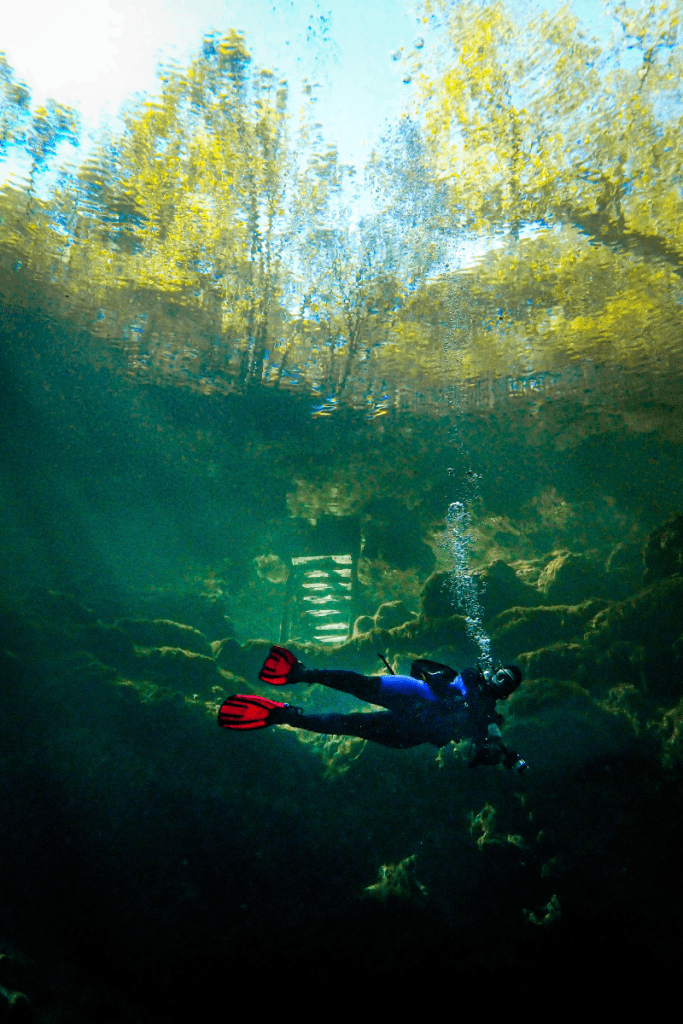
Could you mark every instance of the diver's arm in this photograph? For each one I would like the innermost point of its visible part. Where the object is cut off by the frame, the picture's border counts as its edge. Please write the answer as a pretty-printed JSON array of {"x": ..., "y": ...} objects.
[
  {"x": 514, "y": 761},
  {"x": 489, "y": 749},
  {"x": 510, "y": 758}
]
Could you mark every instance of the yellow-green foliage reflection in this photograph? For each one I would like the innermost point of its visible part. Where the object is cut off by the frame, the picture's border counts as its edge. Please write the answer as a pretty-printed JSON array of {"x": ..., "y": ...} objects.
[{"x": 527, "y": 211}]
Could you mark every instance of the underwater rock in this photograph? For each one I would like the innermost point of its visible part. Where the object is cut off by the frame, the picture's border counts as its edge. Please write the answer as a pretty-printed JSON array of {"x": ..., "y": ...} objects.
[
  {"x": 438, "y": 601},
  {"x": 622, "y": 663},
  {"x": 174, "y": 667},
  {"x": 54, "y": 625},
  {"x": 111, "y": 644},
  {"x": 557, "y": 661},
  {"x": 246, "y": 659},
  {"x": 501, "y": 588},
  {"x": 165, "y": 633},
  {"x": 207, "y": 613},
  {"x": 392, "y": 614},
  {"x": 15, "y": 1005},
  {"x": 663, "y": 551},
  {"x": 537, "y": 695},
  {"x": 445, "y": 638},
  {"x": 626, "y": 555},
  {"x": 624, "y": 570},
  {"x": 650, "y": 623},
  {"x": 363, "y": 624},
  {"x": 528, "y": 570},
  {"x": 570, "y": 578},
  {"x": 670, "y": 730},
  {"x": 628, "y": 701},
  {"x": 398, "y": 881},
  {"x": 526, "y": 629},
  {"x": 498, "y": 585},
  {"x": 272, "y": 568},
  {"x": 652, "y": 617},
  {"x": 51, "y": 604},
  {"x": 548, "y": 914},
  {"x": 226, "y": 652}
]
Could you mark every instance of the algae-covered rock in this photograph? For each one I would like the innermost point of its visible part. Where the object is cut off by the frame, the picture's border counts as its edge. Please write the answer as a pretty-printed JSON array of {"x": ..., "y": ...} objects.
[
  {"x": 670, "y": 730},
  {"x": 363, "y": 624},
  {"x": 444, "y": 638},
  {"x": 174, "y": 667},
  {"x": 438, "y": 600},
  {"x": 528, "y": 629},
  {"x": 501, "y": 588},
  {"x": 165, "y": 633},
  {"x": 663, "y": 552},
  {"x": 626, "y": 700},
  {"x": 226, "y": 652},
  {"x": 652, "y": 617},
  {"x": 541, "y": 694},
  {"x": 497, "y": 584},
  {"x": 392, "y": 614},
  {"x": 622, "y": 663},
  {"x": 624, "y": 570},
  {"x": 650, "y": 624},
  {"x": 42, "y": 603},
  {"x": 111, "y": 644},
  {"x": 558, "y": 661},
  {"x": 207, "y": 613},
  {"x": 398, "y": 881},
  {"x": 245, "y": 660},
  {"x": 571, "y": 578}
]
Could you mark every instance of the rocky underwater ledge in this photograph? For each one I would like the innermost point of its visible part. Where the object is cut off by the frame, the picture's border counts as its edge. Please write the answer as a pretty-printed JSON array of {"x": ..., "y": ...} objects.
[{"x": 150, "y": 859}]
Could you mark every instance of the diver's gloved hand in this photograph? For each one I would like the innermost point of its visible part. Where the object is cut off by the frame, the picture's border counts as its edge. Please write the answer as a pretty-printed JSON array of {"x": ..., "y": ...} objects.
[
  {"x": 514, "y": 762},
  {"x": 485, "y": 753},
  {"x": 281, "y": 668}
]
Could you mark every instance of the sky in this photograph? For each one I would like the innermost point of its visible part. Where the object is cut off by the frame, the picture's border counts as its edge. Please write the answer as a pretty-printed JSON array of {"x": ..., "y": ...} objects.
[{"x": 92, "y": 54}]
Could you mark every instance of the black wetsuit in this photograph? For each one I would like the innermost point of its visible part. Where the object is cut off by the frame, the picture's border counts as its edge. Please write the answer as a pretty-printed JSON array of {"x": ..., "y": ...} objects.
[{"x": 417, "y": 712}]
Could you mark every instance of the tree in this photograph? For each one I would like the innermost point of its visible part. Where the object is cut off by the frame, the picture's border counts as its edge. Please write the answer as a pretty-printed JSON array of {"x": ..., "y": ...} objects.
[
  {"x": 530, "y": 126},
  {"x": 14, "y": 108},
  {"x": 532, "y": 122}
]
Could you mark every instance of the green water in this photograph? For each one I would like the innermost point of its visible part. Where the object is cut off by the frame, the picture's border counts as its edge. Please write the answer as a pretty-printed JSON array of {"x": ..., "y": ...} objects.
[{"x": 208, "y": 377}]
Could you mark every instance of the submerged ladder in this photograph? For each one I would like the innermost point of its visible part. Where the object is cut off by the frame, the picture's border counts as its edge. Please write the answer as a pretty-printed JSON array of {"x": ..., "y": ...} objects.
[{"x": 321, "y": 588}]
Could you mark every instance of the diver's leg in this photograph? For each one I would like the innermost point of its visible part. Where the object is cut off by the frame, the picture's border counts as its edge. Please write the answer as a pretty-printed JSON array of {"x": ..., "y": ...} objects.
[
  {"x": 364, "y": 687},
  {"x": 378, "y": 726},
  {"x": 282, "y": 668}
]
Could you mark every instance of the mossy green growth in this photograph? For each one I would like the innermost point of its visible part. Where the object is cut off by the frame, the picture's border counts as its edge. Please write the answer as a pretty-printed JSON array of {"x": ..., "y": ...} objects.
[
  {"x": 557, "y": 661},
  {"x": 538, "y": 695},
  {"x": 526, "y": 629}
]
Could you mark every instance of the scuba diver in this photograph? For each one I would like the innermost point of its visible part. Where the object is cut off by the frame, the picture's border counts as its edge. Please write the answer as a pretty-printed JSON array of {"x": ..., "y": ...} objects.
[{"x": 434, "y": 704}]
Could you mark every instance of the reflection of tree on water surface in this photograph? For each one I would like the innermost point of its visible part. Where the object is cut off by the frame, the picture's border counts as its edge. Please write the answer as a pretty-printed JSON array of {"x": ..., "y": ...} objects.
[{"x": 213, "y": 238}]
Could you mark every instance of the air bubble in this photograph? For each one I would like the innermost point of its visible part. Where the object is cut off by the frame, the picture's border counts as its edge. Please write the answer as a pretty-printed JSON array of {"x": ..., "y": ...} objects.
[{"x": 463, "y": 584}]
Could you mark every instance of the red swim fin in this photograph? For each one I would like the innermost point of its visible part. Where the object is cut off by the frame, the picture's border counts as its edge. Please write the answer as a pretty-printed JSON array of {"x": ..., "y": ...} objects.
[
  {"x": 249, "y": 711},
  {"x": 280, "y": 667}
]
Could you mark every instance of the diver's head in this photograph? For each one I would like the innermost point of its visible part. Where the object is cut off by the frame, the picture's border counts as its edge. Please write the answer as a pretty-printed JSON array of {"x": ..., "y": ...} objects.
[{"x": 505, "y": 681}]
